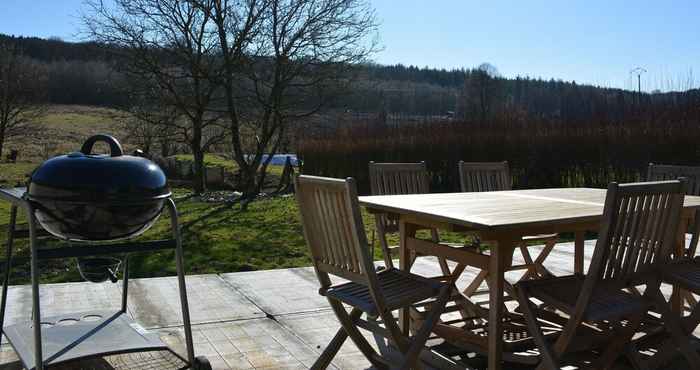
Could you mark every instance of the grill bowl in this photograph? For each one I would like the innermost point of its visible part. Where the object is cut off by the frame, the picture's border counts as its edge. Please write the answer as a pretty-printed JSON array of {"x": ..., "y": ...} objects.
[{"x": 82, "y": 196}]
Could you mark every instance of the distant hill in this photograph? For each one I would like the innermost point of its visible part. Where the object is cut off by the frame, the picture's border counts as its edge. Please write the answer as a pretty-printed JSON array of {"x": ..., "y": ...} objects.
[
  {"x": 86, "y": 73},
  {"x": 53, "y": 50}
]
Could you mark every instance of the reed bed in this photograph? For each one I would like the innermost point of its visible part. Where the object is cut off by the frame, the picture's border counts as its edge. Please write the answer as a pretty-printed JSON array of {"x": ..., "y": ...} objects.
[{"x": 543, "y": 152}]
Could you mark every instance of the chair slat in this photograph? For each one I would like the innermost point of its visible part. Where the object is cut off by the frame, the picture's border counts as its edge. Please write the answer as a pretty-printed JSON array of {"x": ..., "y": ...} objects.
[
  {"x": 640, "y": 232},
  {"x": 484, "y": 176},
  {"x": 660, "y": 172},
  {"x": 395, "y": 179},
  {"x": 328, "y": 216}
]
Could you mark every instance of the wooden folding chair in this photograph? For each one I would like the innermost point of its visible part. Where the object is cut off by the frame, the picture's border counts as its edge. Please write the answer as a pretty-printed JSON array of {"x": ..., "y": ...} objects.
[
  {"x": 691, "y": 174},
  {"x": 397, "y": 179},
  {"x": 495, "y": 176},
  {"x": 683, "y": 272},
  {"x": 638, "y": 232},
  {"x": 335, "y": 235}
]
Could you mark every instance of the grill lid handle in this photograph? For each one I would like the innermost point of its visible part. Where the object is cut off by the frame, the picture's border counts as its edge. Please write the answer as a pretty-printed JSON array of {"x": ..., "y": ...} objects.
[{"x": 114, "y": 146}]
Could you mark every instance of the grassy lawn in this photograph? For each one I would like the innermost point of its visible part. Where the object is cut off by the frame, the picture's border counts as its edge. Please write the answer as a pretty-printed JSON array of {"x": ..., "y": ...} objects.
[
  {"x": 63, "y": 129},
  {"x": 15, "y": 174},
  {"x": 217, "y": 238},
  {"x": 213, "y": 160}
]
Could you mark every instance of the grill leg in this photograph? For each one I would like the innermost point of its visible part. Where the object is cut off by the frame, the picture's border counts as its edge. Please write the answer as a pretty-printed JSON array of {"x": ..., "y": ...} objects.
[
  {"x": 181, "y": 281},
  {"x": 36, "y": 312},
  {"x": 125, "y": 284},
  {"x": 8, "y": 266}
]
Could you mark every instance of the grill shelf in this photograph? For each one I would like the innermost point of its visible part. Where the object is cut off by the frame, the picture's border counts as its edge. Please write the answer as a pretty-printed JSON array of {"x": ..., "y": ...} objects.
[{"x": 86, "y": 335}]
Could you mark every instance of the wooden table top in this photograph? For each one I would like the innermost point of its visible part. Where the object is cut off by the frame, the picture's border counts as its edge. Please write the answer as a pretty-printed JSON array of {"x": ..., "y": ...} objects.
[{"x": 502, "y": 209}]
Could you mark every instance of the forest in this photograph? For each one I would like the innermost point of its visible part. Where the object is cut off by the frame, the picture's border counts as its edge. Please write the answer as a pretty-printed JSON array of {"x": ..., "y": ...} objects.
[{"x": 88, "y": 73}]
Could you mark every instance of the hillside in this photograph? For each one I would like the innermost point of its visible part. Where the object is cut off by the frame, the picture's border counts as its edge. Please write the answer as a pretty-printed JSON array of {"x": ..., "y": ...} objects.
[{"x": 89, "y": 74}]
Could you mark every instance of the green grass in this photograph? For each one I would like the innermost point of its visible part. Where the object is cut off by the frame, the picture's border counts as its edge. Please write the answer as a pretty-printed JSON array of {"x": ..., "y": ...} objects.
[
  {"x": 217, "y": 238},
  {"x": 210, "y": 160},
  {"x": 14, "y": 174},
  {"x": 213, "y": 160},
  {"x": 74, "y": 119}
]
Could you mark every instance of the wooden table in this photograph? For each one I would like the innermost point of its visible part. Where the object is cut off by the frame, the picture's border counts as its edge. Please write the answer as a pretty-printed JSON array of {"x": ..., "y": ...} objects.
[{"x": 505, "y": 217}]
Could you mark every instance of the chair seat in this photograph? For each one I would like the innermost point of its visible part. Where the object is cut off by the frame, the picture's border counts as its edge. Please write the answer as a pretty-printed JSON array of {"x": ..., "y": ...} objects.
[
  {"x": 399, "y": 288},
  {"x": 562, "y": 293},
  {"x": 685, "y": 273}
]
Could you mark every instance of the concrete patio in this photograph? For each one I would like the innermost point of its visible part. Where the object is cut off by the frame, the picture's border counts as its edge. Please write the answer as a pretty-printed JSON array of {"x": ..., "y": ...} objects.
[{"x": 249, "y": 320}]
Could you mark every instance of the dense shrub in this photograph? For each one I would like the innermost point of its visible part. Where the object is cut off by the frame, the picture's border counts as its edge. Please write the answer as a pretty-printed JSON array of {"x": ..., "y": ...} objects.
[{"x": 543, "y": 152}]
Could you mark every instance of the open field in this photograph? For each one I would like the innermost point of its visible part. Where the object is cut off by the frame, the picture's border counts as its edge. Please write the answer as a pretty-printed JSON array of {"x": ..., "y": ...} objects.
[
  {"x": 63, "y": 129},
  {"x": 218, "y": 237}
]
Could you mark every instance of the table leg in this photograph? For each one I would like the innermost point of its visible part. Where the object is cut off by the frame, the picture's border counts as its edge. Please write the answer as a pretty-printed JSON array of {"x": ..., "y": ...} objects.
[
  {"x": 497, "y": 266},
  {"x": 677, "y": 295},
  {"x": 406, "y": 231},
  {"x": 578, "y": 251}
]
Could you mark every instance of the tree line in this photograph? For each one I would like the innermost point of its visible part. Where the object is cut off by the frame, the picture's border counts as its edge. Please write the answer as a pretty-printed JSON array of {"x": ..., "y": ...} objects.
[{"x": 86, "y": 73}]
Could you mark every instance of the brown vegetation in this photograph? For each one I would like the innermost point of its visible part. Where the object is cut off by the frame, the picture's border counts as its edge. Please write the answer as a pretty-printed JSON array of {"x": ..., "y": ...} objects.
[{"x": 543, "y": 152}]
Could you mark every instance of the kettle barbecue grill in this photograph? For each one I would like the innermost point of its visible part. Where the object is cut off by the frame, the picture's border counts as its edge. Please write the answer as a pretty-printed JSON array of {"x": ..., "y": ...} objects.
[{"x": 89, "y": 201}]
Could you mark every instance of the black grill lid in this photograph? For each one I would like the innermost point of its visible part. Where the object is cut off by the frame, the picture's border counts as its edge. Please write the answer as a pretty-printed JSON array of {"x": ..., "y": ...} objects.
[{"x": 86, "y": 177}]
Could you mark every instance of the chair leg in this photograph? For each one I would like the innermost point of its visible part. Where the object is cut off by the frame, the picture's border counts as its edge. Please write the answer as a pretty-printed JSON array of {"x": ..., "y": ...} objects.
[
  {"x": 548, "y": 362},
  {"x": 537, "y": 269},
  {"x": 381, "y": 235},
  {"x": 616, "y": 348},
  {"x": 333, "y": 347},
  {"x": 690, "y": 322},
  {"x": 351, "y": 329},
  {"x": 632, "y": 354},
  {"x": 675, "y": 327},
  {"x": 418, "y": 341},
  {"x": 690, "y": 300},
  {"x": 444, "y": 267},
  {"x": 476, "y": 283},
  {"x": 667, "y": 351},
  {"x": 539, "y": 261},
  {"x": 531, "y": 269}
]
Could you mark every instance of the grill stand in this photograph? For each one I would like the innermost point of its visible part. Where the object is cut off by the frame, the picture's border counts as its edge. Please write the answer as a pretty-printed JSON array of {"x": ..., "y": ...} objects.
[{"x": 106, "y": 333}]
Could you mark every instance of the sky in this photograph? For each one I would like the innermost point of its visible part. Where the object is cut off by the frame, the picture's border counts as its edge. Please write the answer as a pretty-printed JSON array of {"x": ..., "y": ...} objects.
[{"x": 589, "y": 41}]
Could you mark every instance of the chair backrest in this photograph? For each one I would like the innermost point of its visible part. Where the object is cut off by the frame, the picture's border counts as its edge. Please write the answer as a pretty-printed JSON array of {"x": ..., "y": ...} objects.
[
  {"x": 484, "y": 176},
  {"x": 333, "y": 228},
  {"x": 398, "y": 178},
  {"x": 639, "y": 229},
  {"x": 661, "y": 172},
  {"x": 693, "y": 247}
]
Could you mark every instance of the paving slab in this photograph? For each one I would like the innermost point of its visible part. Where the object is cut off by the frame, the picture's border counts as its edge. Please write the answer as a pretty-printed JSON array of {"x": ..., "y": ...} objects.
[
  {"x": 316, "y": 330},
  {"x": 244, "y": 345},
  {"x": 280, "y": 292},
  {"x": 155, "y": 302}
]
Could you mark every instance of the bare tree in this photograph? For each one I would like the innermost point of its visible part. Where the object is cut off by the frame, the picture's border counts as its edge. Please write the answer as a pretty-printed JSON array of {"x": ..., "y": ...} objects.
[
  {"x": 153, "y": 126},
  {"x": 480, "y": 91},
  {"x": 22, "y": 92},
  {"x": 282, "y": 58},
  {"x": 169, "y": 52}
]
